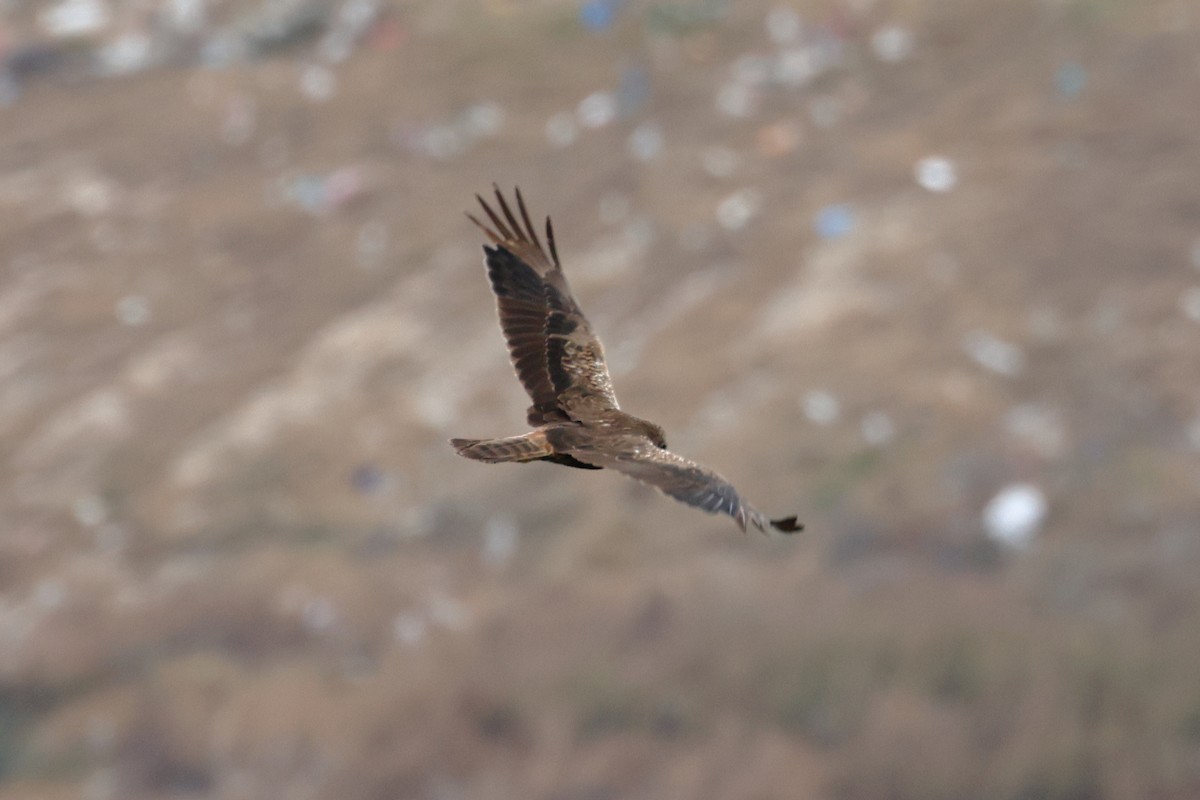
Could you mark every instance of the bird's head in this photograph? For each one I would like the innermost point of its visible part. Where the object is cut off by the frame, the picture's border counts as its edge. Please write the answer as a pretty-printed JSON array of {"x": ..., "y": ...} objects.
[{"x": 655, "y": 434}]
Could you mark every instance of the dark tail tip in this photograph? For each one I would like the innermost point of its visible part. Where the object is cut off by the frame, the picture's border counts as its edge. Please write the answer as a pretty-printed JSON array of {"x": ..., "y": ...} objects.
[{"x": 787, "y": 525}]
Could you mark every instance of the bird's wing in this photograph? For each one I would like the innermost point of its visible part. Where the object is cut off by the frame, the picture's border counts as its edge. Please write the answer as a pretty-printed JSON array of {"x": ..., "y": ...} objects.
[
  {"x": 681, "y": 478},
  {"x": 558, "y": 358}
]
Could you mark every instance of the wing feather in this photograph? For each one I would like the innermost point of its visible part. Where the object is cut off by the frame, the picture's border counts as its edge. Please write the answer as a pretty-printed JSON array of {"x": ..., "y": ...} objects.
[
  {"x": 680, "y": 478},
  {"x": 557, "y": 357}
]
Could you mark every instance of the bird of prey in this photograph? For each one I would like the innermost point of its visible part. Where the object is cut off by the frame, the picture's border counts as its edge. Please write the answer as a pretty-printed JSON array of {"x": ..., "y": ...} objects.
[{"x": 560, "y": 362}]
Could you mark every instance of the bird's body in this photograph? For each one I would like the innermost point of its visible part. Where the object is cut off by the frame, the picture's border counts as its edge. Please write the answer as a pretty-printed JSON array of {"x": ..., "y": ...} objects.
[{"x": 560, "y": 361}]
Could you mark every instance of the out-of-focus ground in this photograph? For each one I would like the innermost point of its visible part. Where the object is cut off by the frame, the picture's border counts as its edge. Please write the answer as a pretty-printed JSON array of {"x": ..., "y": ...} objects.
[{"x": 241, "y": 312}]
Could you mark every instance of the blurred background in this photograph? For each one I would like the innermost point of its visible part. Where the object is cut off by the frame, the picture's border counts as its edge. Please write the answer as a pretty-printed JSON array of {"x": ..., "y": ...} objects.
[{"x": 925, "y": 273}]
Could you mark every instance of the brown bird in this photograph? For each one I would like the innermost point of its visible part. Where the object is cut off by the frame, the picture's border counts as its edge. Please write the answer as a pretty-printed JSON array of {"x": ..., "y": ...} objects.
[{"x": 560, "y": 361}]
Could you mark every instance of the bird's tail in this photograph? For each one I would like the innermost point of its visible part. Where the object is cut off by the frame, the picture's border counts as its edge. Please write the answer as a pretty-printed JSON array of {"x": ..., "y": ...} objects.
[{"x": 529, "y": 447}]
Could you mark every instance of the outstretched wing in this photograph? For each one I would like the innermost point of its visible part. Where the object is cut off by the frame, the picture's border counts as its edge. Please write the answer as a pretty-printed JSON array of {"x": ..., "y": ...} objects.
[
  {"x": 558, "y": 358},
  {"x": 683, "y": 479}
]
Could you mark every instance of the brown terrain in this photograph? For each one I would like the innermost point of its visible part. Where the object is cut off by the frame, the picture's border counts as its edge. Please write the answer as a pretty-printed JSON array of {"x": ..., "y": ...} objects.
[{"x": 241, "y": 313}]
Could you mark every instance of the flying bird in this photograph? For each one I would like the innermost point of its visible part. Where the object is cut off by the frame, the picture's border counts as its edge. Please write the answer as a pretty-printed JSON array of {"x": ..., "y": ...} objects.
[{"x": 560, "y": 362}]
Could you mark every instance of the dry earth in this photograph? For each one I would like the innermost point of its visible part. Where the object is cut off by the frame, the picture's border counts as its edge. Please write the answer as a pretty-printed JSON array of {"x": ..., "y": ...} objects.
[{"x": 241, "y": 312}]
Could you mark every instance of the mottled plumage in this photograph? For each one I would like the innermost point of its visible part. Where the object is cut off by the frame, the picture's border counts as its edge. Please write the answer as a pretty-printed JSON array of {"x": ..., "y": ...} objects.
[{"x": 560, "y": 362}]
